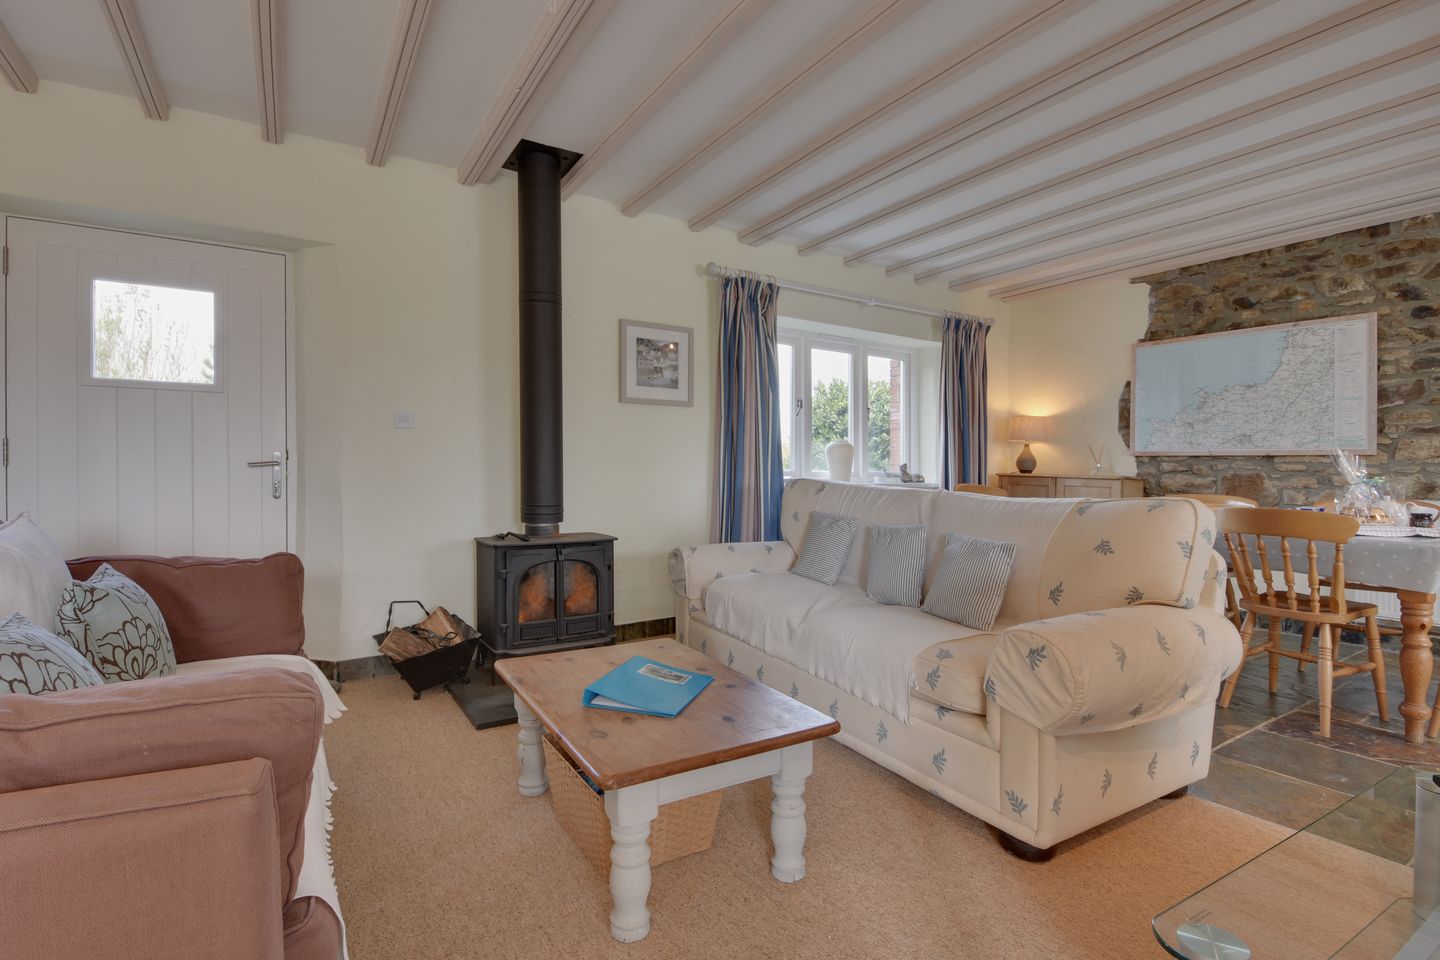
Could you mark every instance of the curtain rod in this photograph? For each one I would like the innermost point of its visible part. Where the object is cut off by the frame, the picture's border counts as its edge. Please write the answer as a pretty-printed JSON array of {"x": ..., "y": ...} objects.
[{"x": 715, "y": 270}]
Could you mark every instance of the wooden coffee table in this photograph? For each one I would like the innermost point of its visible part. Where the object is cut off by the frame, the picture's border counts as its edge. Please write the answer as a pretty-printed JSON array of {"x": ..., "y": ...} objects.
[{"x": 736, "y": 730}]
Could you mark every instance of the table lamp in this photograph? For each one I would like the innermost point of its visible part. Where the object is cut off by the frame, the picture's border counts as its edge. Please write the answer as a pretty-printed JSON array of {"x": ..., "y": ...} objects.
[{"x": 1028, "y": 430}]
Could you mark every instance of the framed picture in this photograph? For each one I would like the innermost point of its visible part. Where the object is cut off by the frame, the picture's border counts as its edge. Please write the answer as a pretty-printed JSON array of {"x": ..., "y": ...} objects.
[{"x": 656, "y": 363}]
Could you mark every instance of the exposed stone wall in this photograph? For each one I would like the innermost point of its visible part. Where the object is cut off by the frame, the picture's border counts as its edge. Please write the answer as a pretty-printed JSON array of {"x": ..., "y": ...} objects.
[{"x": 1393, "y": 270}]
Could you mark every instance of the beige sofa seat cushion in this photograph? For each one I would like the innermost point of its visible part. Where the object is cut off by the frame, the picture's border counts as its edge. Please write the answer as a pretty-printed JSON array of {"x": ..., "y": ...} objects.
[
  {"x": 867, "y": 502},
  {"x": 1026, "y": 523},
  {"x": 1116, "y": 553},
  {"x": 951, "y": 673},
  {"x": 968, "y": 726}
]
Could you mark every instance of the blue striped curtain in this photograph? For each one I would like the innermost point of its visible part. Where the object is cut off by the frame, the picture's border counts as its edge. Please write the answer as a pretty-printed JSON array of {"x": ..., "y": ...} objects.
[
  {"x": 750, "y": 479},
  {"x": 964, "y": 416}
]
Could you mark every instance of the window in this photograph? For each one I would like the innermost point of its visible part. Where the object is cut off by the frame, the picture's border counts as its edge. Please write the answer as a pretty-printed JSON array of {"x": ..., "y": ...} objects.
[
  {"x": 151, "y": 335},
  {"x": 852, "y": 391}
]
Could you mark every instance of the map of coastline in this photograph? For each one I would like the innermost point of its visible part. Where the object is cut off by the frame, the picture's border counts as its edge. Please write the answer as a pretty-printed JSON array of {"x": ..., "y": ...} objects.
[{"x": 1291, "y": 388}]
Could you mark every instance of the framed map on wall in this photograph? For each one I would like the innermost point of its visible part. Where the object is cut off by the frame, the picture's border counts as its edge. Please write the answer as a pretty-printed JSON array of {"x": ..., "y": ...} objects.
[{"x": 1290, "y": 388}]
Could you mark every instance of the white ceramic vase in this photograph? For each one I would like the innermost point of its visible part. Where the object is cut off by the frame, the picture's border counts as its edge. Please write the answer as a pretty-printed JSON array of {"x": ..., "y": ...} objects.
[{"x": 840, "y": 456}]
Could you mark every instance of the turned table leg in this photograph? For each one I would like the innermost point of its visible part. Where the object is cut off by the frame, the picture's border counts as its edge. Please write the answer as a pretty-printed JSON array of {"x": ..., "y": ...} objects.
[
  {"x": 631, "y": 811},
  {"x": 533, "y": 780},
  {"x": 1417, "y": 613},
  {"x": 787, "y": 814}
]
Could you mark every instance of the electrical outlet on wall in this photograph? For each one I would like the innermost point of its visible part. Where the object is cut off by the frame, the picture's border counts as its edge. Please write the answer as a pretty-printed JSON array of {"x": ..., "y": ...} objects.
[{"x": 404, "y": 419}]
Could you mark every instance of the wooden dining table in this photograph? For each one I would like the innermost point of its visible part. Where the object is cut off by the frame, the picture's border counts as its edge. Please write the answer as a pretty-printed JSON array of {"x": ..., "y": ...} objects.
[{"x": 1408, "y": 567}]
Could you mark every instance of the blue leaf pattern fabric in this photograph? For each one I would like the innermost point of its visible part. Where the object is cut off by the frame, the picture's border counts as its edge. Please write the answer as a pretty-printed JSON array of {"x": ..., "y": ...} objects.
[
  {"x": 1105, "y": 783},
  {"x": 1150, "y": 767},
  {"x": 1194, "y": 752},
  {"x": 1056, "y": 592},
  {"x": 1185, "y": 548},
  {"x": 938, "y": 761},
  {"x": 1036, "y": 656},
  {"x": 881, "y": 733},
  {"x": 1163, "y": 643},
  {"x": 794, "y": 691},
  {"x": 1120, "y": 657},
  {"x": 1104, "y": 548},
  {"x": 1017, "y": 803},
  {"x": 1059, "y": 798},
  {"x": 932, "y": 678},
  {"x": 1134, "y": 595}
]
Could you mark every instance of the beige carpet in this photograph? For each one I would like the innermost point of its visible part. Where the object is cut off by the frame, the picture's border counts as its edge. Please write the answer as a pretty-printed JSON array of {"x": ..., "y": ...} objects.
[{"x": 438, "y": 856}]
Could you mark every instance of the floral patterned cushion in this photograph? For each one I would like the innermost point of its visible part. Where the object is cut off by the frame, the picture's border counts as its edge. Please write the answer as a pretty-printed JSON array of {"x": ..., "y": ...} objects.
[
  {"x": 34, "y": 660},
  {"x": 118, "y": 628}
]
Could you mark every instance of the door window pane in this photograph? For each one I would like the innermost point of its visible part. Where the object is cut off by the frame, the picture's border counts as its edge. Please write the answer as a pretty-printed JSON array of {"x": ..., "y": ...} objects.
[
  {"x": 786, "y": 358},
  {"x": 152, "y": 334},
  {"x": 885, "y": 414},
  {"x": 830, "y": 372}
]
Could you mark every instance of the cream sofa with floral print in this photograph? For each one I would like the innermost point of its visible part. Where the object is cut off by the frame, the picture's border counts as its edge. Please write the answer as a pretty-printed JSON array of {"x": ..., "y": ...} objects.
[{"x": 1094, "y": 693}]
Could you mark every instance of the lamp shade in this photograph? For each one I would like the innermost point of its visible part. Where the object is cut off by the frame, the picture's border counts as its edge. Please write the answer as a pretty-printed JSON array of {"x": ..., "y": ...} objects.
[{"x": 1029, "y": 429}]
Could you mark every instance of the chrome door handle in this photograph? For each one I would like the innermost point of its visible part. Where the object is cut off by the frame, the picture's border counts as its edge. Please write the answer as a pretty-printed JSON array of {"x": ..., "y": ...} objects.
[{"x": 275, "y": 463}]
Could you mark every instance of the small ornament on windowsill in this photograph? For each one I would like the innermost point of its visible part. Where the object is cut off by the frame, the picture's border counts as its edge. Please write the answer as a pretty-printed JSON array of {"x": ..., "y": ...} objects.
[
  {"x": 907, "y": 477},
  {"x": 1097, "y": 461}
]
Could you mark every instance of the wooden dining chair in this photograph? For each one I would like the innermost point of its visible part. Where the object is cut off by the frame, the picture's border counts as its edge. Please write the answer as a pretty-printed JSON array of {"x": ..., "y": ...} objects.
[
  {"x": 1215, "y": 501},
  {"x": 1245, "y": 530},
  {"x": 981, "y": 488}
]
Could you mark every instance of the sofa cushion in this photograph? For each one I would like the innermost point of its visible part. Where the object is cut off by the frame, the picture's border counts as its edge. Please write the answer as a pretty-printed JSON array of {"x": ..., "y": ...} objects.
[
  {"x": 32, "y": 572},
  {"x": 828, "y": 539},
  {"x": 170, "y": 723},
  {"x": 115, "y": 624},
  {"x": 33, "y": 660},
  {"x": 1115, "y": 553},
  {"x": 760, "y": 608},
  {"x": 971, "y": 581},
  {"x": 868, "y": 650},
  {"x": 219, "y": 608},
  {"x": 866, "y": 502},
  {"x": 896, "y": 573},
  {"x": 1028, "y": 524},
  {"x": 951, "y": 673}
]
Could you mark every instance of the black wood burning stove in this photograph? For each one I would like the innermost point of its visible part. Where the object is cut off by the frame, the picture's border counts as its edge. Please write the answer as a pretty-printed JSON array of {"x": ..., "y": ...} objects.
[
  {"x": 545, "y": 593},
  {"x": 542, "y": 590}
]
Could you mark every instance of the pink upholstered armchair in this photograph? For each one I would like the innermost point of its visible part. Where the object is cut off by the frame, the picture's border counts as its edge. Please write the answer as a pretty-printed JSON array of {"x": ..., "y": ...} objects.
[{"x": 166, "y": 818}]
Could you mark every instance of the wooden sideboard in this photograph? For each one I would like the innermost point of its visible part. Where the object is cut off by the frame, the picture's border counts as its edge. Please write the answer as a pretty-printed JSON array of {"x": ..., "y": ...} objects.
[{"x": 1049, "y": 485}]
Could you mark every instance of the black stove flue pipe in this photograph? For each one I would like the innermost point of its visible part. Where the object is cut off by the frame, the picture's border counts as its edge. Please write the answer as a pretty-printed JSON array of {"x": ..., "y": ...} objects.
[{"x": 542, "y": 474}]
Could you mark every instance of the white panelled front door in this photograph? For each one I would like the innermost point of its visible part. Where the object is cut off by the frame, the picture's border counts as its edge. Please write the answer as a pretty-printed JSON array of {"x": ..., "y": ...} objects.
[{"x": 143, "y": 378}]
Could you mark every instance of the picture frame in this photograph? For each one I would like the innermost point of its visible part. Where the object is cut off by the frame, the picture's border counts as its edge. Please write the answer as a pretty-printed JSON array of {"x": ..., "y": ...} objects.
[{"x": 657, "y": 364}]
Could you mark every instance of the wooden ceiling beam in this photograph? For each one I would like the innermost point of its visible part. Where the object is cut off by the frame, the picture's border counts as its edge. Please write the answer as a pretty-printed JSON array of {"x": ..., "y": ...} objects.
[
  {"x": 1415, "y": 204},
  {"x": 409, "y": 29},
  {"x": 567, "y": 26},
  {"x": 1217, "y": 201},
  {"x": 1275, "y": 107},
  {"x": 835, "y": 49},
  {"x": 1292, "y": 46},
  {"x": 1003, "y": 39},
  {"x": 265, "y": 18},
  {"x": 1182, "y": 21},
  {"x": 1103, "y": 212},
  {"x": 718, "y": 34},
  {"x": 14, "y": 66},
  {"x": 1345, "y": 211},
  {"x": 135, "y": 52}
]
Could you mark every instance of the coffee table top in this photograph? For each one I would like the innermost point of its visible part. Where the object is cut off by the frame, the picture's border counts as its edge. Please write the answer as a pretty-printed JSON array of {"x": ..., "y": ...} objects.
[{"x": 733, "y": 717}]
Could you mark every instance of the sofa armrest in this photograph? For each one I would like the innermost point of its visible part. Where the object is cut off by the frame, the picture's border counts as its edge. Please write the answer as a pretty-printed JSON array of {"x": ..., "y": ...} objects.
[
  {"x": 171, "y": 723},
  {"x": 174, "y": 865},
  {"x": 693, "y": 569},
  {"x": 217, "y": 608},
  {"x": 1111, "y": 669}
]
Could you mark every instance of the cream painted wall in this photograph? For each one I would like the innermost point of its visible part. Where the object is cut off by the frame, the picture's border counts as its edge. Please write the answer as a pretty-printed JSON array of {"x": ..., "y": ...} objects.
[
  {"x": 405, "y": 298},
  {"x": 1069, "y": 359}
]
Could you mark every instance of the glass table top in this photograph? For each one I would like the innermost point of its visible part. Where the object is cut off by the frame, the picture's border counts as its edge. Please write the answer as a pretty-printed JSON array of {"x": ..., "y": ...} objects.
[{"x": 1342, "y": 887}]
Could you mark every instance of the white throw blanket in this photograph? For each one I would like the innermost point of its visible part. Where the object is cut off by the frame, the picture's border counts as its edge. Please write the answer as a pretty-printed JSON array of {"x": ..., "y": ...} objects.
[
  {"x": 317, "y": 873},
  {"x": 834, "y": 633}
]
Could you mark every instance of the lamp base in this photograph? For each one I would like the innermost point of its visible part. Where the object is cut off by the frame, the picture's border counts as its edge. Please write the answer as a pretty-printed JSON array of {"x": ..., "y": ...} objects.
[{"x": 1025, "y": 463}]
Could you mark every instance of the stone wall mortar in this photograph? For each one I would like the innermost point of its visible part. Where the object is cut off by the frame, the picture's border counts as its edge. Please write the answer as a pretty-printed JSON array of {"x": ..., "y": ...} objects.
[{"x": 1392, "y": 270}]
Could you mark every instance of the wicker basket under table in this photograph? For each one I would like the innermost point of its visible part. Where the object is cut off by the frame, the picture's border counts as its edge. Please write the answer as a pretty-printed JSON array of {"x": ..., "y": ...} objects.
[{"x": 681, "y": 828}]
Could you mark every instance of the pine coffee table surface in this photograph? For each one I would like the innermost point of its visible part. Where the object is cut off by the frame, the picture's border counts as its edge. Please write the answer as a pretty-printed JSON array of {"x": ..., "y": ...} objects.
[{"x": 734, "y": 731}]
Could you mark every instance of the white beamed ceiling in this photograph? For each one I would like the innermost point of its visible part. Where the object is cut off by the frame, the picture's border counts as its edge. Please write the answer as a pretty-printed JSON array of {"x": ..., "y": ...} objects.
[{"x": 1300, "y": 133}]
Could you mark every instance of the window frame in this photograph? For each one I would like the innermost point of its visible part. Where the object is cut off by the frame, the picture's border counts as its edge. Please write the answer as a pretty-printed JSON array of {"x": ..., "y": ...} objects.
[
  {"x": 88, "y": 378},
  {"x": 860, "y": 351}
]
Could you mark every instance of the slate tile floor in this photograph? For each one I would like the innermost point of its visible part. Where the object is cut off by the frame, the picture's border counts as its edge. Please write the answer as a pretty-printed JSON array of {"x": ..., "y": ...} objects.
[{"x": 1271, "y": 762}]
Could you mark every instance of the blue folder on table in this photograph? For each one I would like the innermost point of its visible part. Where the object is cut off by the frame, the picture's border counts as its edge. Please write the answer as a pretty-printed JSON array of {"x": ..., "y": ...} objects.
[{"x": 642, "y": 685}]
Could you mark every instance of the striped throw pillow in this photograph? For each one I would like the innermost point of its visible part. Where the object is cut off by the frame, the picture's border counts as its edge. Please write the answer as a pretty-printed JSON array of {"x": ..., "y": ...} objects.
[
  {"x": 970, "y": 583},
  {"x": 827, "y": 547},
  {"x": 897, "y": 565}
]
